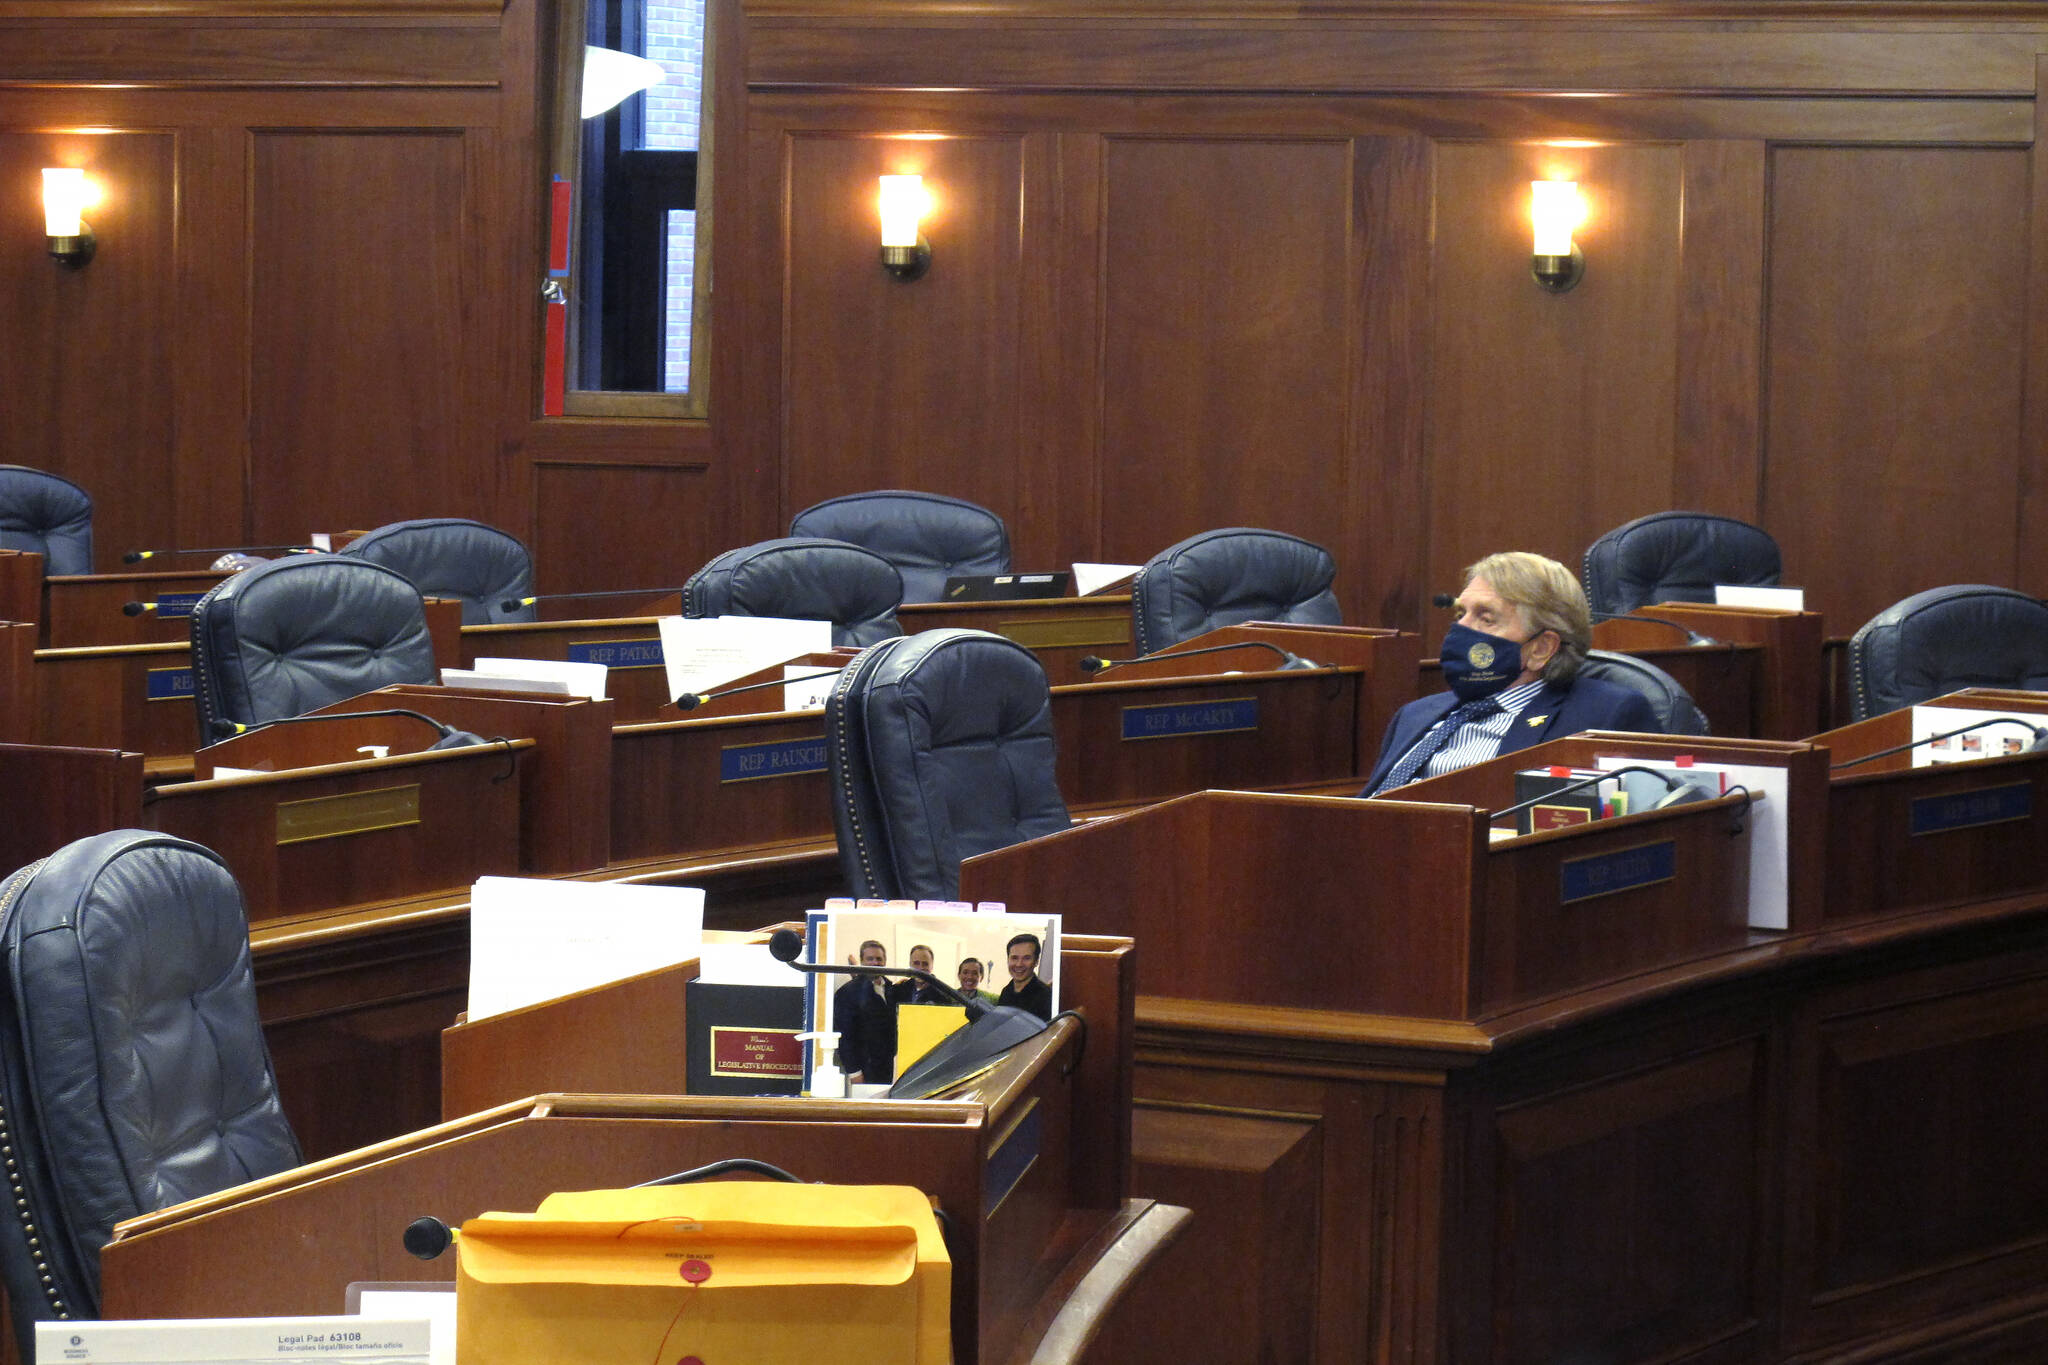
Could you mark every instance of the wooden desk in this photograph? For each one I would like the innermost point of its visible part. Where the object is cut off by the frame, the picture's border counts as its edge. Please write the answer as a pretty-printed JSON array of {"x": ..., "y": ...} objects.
[
  {"x": 1643, "y": 1136},
  {"x": 1011, "y": 1247},
  {"x": 1904, "y": 839},
  {"x": 1061, "y": 631}
]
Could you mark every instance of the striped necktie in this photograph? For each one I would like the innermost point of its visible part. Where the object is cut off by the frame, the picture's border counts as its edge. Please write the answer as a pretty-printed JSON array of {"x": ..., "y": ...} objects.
[{"x": 1418, "y": 756}]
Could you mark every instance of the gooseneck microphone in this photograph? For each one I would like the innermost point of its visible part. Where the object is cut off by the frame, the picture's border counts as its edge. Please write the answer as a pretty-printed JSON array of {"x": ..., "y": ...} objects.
[
  {"x": 451, "y": 738},
  {"x": 1692, "y": 637},
  {"x": 787, "y": 945},
  {"x": 515, "y": 603},
  {"x": 1289, "y": 663},
  {"x": 690, "y": 701},
  {"x": 2039, "y": 743},
  {"x": 137, "y": 556}
]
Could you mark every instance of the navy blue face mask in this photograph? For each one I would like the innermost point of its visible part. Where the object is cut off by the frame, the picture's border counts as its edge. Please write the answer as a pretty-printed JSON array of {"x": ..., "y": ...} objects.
[{"x": 1477, "y": 664}]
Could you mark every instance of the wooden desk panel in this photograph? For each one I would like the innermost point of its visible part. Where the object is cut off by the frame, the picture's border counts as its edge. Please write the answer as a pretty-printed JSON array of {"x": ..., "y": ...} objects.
[
  {"x": 351, "y": 850},
  {"x": 1061, "y": 631},
  {"x": 100, "y": 698},
  {"x": 87, "y": 609}
]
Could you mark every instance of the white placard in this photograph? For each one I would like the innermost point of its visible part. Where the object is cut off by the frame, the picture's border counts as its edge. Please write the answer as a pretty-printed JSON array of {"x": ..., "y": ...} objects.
[
  {"x": 702, "y": 652},
  {"x": 811, "y": 693},
  {"x": 235, "y": 1341},
  {"x": 1090, "y": 579},
  {"x": 1759, "y": 599},
  {"x": 492, "y": 682},
  {"x": 1994, "y": 741},
  {"x": 583, "y": 680},
  {"x": 1769, "y": 840},
  {"x": 533, "y": 939},
  {"x": 437, "y": 1306}
]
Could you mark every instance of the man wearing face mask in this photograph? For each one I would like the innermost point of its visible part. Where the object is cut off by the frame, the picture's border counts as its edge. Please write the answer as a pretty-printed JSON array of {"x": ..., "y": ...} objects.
[{"x": 1512, "y": 661}]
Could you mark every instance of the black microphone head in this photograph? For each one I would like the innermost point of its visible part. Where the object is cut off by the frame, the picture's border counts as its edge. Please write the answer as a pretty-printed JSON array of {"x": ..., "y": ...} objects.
[
  {"x": 428, "y": 1237},
  {"x": 785, "y": 945},
  {"x": 1443, "y": 599},
  {"x": 689, "y": 701},
  {"x": 1094, "y": 663},
  {"x": 457, "y": 739},
  {"x": 510, "y": 604},
  {"x": 134, "y": 608},
  {"x": 135, "y": 556}
]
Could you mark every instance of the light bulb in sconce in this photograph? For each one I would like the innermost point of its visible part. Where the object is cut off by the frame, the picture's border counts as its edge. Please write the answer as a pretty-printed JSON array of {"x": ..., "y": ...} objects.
[
  {"x": 1555, "y": 209},
  {"x": 65, "y": 195},
  {"x": 905, "y": 252}
]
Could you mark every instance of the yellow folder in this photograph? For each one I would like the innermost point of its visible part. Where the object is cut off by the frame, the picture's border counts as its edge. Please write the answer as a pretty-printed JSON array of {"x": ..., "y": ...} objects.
[{"x": 726, "y": 1271}]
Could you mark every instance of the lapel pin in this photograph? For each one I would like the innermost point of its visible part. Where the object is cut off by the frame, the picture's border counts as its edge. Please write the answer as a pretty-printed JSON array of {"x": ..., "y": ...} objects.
[{"x": 1535, "y": 721}]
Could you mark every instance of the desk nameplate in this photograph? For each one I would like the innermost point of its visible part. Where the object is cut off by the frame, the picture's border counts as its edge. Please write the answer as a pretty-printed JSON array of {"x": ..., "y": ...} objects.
[
  {"x": 335, "y": 817},
  {"x": 1625, "y": 869},
  {"x": 1969, "y": 810},
  {"x": 1177, "y": 720}
]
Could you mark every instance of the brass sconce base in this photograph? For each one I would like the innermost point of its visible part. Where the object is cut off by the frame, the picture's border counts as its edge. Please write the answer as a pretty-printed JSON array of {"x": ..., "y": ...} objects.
[
  {"x": 1559, "y": 273},
  {"x": 73, "y": 252},
  {"x": 908, "y": 262}
]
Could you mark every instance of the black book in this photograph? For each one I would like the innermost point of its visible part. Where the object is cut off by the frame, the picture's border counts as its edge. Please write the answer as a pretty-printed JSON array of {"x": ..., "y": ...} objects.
[{"x": 742, "y": 1039}]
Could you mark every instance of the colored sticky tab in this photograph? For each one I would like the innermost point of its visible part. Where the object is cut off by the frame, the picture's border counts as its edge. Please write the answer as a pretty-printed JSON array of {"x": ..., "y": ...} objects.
[
  {"x": 1560, "y": 770},
  {"x": 560, "y": 209},
  {"x": 1683, "y": 760},
  {"x": 552, "y": 377}
]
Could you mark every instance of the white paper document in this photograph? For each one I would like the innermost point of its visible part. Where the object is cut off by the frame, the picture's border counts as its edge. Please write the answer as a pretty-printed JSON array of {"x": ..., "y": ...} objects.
[
  {"x": 531, "y": 939},
  {"x": 437, "y": 1306},
  {"x": 2011, "y": 733},
  {"x": 809, "y": 694},
  {"x": 1090, "y": 579},
  {"x": 1769, "y": 840},
  {"x": 702, "y": 652},
  {"x": 235, "y": 1341},
  {"x": 745, "y": 964},
  {"x": 583, "y": 680},
  {"x": 1759, "y": 599},
  {"x": 492, "y": 682}
]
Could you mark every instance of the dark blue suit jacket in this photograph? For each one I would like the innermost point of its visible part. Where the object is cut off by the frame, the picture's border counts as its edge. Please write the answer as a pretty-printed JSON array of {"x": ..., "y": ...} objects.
[{"x": 1557, "y": 711}]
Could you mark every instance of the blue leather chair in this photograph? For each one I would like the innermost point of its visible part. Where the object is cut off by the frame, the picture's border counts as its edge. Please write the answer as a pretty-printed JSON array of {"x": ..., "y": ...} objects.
[
  {"x": 1971, "y": 635},
  {"x": 940, "y": 747},
  {"x": 1219, "y": 578},
  {"x": 804, "y": 579},
  {"x": 133, "y": 1071},
  {"x": 451, "y": 557},
  {"x": 929, "y": 538},
  {"x": 1677, "y": 713},
  {"x": 1676, "y": 557},
  {"x": 46, "y": 515},
  {"x": 292, "y": 635}
]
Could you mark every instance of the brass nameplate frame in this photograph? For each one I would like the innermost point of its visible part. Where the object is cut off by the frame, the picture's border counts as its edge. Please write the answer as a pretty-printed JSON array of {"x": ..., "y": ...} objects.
[
  {"x": 1072, "y": 632},
  {"x": 336, "y": 817}
]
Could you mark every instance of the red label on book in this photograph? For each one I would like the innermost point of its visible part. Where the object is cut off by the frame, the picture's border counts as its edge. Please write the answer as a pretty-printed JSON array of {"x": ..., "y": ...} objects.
[
  {"x": 754, "y": 1053},
  {"x": 1558, "y": 817}
]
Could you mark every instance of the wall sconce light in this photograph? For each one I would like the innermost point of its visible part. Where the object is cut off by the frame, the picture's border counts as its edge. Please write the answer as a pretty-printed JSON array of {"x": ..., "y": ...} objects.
[
  {"x": 65, "y": 195},
  {"x": 1555, "y": 209},
  {"x": 905, "y": 252}
]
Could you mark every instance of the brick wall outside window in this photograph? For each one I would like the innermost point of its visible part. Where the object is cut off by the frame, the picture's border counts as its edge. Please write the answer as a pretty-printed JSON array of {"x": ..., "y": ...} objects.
[{"x": 675, "y": 38}]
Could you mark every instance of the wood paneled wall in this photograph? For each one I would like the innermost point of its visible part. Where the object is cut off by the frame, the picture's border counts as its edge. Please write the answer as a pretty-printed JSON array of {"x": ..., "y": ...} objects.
[{"x": 1192, "y": 266}]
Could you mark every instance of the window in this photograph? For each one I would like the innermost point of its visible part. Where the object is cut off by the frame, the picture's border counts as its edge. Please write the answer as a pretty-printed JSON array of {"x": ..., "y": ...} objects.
[{"x": 634, "y": 297}]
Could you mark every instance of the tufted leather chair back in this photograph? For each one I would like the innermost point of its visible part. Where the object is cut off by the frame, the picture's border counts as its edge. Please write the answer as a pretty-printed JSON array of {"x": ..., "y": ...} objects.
[
  {"x": 805, "y": 579},
  {"x": 1677, "y": 713},
  {"x": 940, "y": 747},
  {"x": 48, "y": 516},
  {"x": 292, "y": 635},
  {"x": 1220, "y": 578},
  {"x": 450, "y": 557},
  {"x": 1676, "y": 557},
  {"x": 133, "y": 1072},
  {"x": 1970, "y": 635},
  {"x": 929, "y": 538}
]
